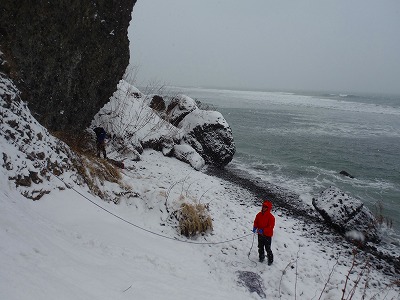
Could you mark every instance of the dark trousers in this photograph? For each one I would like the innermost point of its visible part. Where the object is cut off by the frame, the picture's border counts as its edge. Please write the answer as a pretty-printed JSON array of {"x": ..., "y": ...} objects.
[
  {"x": 265, "y": 242},
  {"x": 101, "y": 148}
]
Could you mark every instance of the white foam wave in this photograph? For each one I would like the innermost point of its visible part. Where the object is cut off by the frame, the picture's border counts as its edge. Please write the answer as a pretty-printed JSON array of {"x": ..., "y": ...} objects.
[
  {"x": 251, "y": 99},
  {"x": 313, "y": 181}
]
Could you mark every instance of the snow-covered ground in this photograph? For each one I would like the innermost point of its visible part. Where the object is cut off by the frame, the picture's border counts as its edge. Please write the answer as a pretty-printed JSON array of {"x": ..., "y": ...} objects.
[
  {"x": 66, "y": 247},
  {"x": 73, "y": 245}
]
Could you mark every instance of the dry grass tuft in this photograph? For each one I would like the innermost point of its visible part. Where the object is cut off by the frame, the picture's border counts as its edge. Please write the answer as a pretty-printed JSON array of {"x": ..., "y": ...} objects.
[
  {"x": 194, "y": 219},
  {"x": 94, "y": 171},
  {"x": 79, "y": 142}
]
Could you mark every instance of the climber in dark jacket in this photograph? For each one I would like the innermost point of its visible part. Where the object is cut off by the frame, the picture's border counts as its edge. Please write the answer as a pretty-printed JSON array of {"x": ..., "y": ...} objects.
[
  {"x": 100, "y": 141},
  {"x": 264, "y": 224}
]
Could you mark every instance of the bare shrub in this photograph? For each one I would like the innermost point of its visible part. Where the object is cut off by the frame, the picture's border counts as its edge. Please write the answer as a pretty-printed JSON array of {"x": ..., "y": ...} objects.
[
  {"x": 125, "y": 123},
  {"x": 194, "y": 219},
  {"x": 94, "y": 172},
  {"x": 79, "y": 142},
  {"x": 185, "y": 212}
]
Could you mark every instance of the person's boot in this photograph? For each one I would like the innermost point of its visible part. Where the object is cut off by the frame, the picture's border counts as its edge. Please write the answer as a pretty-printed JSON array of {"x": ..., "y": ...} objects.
[
  {"x": 262, "y": 258},
  {"x": 270, "y": 258}
]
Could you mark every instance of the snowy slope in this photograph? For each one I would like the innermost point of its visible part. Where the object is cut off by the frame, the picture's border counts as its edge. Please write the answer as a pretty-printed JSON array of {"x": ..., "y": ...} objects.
[
  {"x": 65, "y": 247},
  {"x": 73, "y": 245}
]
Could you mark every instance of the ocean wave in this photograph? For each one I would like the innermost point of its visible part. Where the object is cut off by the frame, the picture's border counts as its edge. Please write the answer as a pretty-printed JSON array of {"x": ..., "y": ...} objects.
[
  {"x": 296, "y": 142},
  {"x": 312, "y": 180},
  {"x": 350, "y": 106},
  {"x": 262, "y": 99},
  {"x": 334, "y": 130}
]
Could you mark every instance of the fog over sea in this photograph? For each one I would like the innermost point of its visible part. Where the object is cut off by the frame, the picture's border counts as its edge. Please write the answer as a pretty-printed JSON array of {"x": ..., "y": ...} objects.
[{"x": 301, "y": 142}]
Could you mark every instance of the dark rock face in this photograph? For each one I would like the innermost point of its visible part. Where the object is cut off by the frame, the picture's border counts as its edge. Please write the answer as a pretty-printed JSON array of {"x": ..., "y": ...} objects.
[
  {"x": 65, "y": 56},
  {"x": 345, "y": 173},
  {"x": 157, "y": 103},
  {"x": 214, "y": 142},
  {"x": 205, "y": 131},
  {"x": 348, "y": 215}
]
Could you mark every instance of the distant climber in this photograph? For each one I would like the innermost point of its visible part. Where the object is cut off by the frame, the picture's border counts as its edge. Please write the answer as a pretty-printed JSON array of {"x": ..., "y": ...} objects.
[
  {"x": 264, "y": 224},
  {"x": 100, "y": 141}
]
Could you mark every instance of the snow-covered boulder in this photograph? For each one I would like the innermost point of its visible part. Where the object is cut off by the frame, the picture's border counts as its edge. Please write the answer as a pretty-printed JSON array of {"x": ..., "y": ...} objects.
[
  {"x": 347, "y": 214},
  {"x": 179, "y": 107},
  {"x": 189, "y": 155},
  {"x": 205, "y": 131},
  {"x": 210, "y": 135},
  {"x": 152, "y": 121},
  {"x": 131, "y": 122}
]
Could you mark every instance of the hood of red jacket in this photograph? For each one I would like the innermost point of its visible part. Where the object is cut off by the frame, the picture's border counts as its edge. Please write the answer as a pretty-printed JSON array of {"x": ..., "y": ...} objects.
[{"x": 267, "y": 204}]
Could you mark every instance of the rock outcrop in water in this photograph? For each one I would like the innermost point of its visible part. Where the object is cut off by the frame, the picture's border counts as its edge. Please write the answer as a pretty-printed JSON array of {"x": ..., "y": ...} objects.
[
  {"x": 345, "y": 173},
  {"x": 346, "y": 214},
  {"x": 65, "y": 56}
]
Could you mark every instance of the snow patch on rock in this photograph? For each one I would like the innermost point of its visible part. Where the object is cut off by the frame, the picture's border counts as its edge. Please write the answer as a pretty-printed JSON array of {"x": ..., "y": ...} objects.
[
  {"x": 188, "y": 154},
  {"x": 30, "y": 155}
]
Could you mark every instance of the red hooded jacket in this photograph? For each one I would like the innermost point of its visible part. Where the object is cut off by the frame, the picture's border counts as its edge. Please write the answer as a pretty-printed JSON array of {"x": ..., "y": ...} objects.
[{"x": 265, "y": 220}]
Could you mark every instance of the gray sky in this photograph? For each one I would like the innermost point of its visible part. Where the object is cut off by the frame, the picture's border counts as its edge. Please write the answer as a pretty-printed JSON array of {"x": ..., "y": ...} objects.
[{"x": 317, "y": 45}]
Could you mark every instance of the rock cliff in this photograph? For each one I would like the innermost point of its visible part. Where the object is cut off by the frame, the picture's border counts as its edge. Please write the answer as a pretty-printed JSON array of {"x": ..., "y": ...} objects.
[{"x": 65, "y": 56}]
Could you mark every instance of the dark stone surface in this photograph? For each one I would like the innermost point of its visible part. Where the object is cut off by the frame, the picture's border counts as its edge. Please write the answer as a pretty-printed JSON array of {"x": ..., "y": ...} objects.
[
  {"x": 214, "y": 142},
  {"x": 345, "y": 173},
  {"x": 252, "y": 281},
  {"x": 65, "y": 56},
  {"x": 346, "y": 214},
  {"x": 157, "y": 103}
]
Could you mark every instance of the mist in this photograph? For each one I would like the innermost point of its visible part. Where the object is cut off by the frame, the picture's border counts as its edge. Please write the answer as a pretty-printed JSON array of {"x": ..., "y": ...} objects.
[{"x": 342, "y": 46}]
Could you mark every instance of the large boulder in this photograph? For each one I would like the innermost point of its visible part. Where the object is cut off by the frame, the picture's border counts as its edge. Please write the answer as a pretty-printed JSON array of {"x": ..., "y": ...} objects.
[
  {"x": 199, "y": 137},
  {"x": 206, "y": 131},
  {"x": 66, "y": 56},
  {"x": 347, "y": 214},
  {"x": 210, "y": 135}
]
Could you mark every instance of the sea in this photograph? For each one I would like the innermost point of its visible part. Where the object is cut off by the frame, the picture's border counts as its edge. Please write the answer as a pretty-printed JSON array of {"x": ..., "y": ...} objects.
[{"x": 301, "y": 141}]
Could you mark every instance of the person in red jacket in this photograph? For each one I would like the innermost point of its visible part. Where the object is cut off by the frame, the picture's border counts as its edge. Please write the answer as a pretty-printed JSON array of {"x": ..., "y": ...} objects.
[{"x": 264, "y": 224}]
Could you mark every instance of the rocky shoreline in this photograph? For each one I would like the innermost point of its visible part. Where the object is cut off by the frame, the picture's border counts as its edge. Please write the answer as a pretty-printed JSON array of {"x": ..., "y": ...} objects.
[{"x": 313, "y": 225}]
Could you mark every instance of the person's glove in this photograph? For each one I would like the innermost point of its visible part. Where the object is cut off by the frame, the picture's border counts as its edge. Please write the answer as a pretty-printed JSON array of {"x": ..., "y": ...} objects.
[
  {"x": 254, "y": 229},
  {"x": 260, "y": 231}
]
